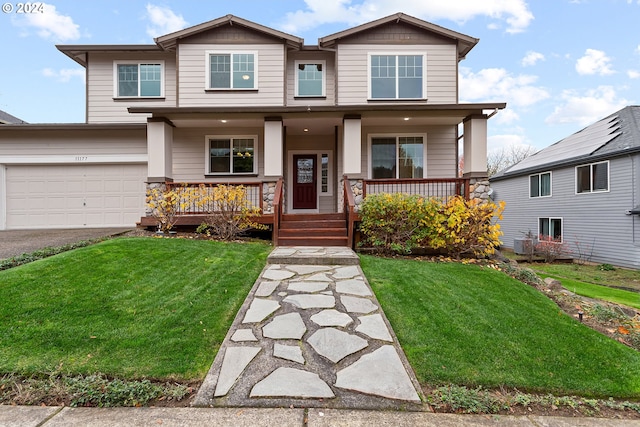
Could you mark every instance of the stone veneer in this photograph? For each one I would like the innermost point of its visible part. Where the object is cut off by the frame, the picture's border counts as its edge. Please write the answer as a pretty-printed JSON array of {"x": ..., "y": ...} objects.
[{"x": 479, "y": 189}]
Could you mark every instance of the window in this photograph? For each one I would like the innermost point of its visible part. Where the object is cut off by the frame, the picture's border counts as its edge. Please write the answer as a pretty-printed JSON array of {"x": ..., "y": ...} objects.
[
  {"x": 138, "y": 80},
  {"x": 231, "y": 155},
  {"x": 227, "y": 70},
  {"x": 310, "y": 78},
  {"x": 550, "y": 227},
  {"x": 540, "y": 185},
  {"x": 592, "y": 178},
  {"x": 396, "y": 76},
  {"x": 397, "y": 157}
]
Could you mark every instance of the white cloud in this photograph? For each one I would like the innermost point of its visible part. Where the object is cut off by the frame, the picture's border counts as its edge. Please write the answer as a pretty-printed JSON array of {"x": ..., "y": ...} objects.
[
  {"x": 594, "y": 62},
  {"x": 633, "y": 74},
  {"x": 64, "y": 75},
  {"x": 514, "y": 13},
  {"x": 50, "y": 24},
  {"x": 531, "y": 58},
  {"x": 587, "y": 108},
  {"x": 163, "y": 21},
  {"x": 498, "y": 85}
]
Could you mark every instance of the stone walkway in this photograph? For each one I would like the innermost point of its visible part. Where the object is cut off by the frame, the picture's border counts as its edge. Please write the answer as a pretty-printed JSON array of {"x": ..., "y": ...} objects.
[{"x": 311, "y": 333}]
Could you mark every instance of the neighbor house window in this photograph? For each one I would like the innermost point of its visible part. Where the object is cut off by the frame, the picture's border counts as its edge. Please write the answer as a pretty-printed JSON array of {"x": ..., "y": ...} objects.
[
  {"x": 310, "y": 78},
  {"x": 396, "y": 76},
  {"x": 540, "y": 185},
  {"x": 550, "y": 227},
  {"x": 231, "y": 155},
  {"x": 397, "y": 157},
  {"x": 138, "y": 80},
  {"x": 592, "y": 178},
  {"x": 229, "y": 70}
]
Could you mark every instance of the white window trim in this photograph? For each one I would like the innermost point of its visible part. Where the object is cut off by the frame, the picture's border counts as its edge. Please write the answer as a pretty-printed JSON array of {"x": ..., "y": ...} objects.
[
  {"x": 396, "y": 136},
  {"x": 552, "y": 218},
  {"x": 575, "y": 187},
  {"x": 324, "y": 77},
  {"x": 550, "y": 184},
  {"x": 207, "y": 157},
  {"x": 138, "y": 63},
  {"x": 207, "y": 77},
  {"x": 396, "y": 54}
]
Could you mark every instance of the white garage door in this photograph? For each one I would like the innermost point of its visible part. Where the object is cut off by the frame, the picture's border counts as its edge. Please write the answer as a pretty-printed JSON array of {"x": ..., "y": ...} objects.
[{"x": 66, "y": 196}]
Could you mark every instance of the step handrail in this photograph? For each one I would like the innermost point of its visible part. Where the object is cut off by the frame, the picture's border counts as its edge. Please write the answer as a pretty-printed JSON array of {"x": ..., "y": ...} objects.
[
  {"x": 277, "y": 211},
  {"x": 349, "y": 209}
]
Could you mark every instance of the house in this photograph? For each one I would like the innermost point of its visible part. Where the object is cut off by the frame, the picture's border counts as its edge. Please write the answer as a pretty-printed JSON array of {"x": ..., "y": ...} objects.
[
  {"x": 307, "y": 129},
  {"x": 6, "y": 118},
  {"x": 583, "y": 190}
]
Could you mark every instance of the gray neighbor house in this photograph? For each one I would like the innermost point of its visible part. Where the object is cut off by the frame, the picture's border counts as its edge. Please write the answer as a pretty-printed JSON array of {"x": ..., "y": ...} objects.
[{"x": 583, "y": 190}]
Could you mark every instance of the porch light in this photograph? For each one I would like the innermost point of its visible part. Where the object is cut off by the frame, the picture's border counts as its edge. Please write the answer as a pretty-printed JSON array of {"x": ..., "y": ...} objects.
[
  {"x": 223, "y": 121},
  {"x": 305, "y": 130},
  {"x": 406, "y": 119}
]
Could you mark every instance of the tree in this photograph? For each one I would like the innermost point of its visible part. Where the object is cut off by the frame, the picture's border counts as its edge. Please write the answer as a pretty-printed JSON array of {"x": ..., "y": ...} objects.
[{"x": 507, "y": 156}]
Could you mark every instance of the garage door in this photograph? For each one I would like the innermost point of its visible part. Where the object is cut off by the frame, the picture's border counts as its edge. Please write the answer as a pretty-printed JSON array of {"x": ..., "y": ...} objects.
[{"x": 66, "y": 196}]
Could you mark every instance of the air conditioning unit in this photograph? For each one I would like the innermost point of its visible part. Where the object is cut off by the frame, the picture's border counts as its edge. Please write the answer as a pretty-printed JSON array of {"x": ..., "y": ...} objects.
[{"x": 524, "y": 246}]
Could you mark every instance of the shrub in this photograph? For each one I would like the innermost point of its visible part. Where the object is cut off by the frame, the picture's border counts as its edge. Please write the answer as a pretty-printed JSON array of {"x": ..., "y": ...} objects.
[
  {"x": 550, "y": 248},
  {"x": 165, "y": 204}
]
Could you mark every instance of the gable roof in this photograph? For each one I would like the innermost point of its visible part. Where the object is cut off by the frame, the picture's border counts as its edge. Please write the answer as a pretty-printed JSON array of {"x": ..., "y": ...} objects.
[
  {"x": 616, "y": 134},
  {"x": 465, "y": 43},
  {"x": 8, "y": 119},
  {"x": 169, "y": 41}
]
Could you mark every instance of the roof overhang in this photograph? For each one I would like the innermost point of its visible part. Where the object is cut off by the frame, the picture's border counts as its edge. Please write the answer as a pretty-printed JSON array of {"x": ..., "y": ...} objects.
[
  {"x": 29, "y": 127},
  {"x": 80, "y": 52}
]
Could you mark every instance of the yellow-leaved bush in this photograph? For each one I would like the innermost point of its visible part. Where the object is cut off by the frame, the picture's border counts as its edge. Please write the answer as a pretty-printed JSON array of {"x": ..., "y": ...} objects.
[
  {"x": 165, "y": 203},
  {"x": 401, "y": 222}
]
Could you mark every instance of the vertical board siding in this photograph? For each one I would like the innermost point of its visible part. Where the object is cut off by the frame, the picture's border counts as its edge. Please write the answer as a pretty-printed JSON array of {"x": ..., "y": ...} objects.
[
  {"x": 101, "y": 105},
  {"x": 192, "y": 76},
  {"x": 597, "y": 220}
]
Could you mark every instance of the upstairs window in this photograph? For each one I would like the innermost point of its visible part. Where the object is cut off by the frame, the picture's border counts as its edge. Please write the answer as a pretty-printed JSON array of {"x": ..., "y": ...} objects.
[
  {"x": 310, "y": 78},
  {"x": 138, "y": 80},
  {"x": 231, "y": 70},
  {"x": 231, "y": 155},
  {"x": 396, "y": 76},
  {"x": 540, "y": 185},
  {"x": 592, "y": 178},
  {"x": 397, "y": 157}
]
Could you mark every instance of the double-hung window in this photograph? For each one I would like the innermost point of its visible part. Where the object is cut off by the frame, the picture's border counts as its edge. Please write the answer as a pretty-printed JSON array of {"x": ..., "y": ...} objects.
[
  {"x": 397, "y": 76},
  {"x": 232, "y": 70},
  {"x": 397, "y": 156},
  {"x": 550, "y": 228},
  {"x": 230, "y": 155},
  {"x": 592, "y": 178},
  {"x": 310, "y": 78},
  {"x": 540, "y": 185},
  {"x": 138, "y": 80}
]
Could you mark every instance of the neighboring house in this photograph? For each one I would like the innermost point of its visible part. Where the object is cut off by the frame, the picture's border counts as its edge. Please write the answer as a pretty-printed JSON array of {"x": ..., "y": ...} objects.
[
  {"x": 583, "y": 190},
  {"x": 232, "y": 101},
  {"x": 6, "y": 119}
]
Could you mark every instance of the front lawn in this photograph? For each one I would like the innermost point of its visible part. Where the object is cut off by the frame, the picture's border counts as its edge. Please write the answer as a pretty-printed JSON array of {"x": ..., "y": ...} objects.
[
  {"x": 474, "y": 326},
  {"x": 129, "y": 307}
]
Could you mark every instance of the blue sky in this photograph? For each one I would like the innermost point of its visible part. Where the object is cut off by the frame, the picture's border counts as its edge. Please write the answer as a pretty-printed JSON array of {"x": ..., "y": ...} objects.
[{"x": 559, "y": 64}]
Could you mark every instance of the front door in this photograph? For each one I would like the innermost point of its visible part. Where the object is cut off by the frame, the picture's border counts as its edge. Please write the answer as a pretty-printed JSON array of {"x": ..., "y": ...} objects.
[{"x": 305, "y": 188}]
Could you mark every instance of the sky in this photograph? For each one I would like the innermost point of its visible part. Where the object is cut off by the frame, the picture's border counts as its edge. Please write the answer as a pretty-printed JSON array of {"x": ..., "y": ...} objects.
[{"x": 560, "y": 65}]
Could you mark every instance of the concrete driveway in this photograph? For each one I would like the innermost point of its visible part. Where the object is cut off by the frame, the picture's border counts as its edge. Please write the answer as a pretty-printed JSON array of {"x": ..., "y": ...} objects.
[{"x": 16, "y": 242}]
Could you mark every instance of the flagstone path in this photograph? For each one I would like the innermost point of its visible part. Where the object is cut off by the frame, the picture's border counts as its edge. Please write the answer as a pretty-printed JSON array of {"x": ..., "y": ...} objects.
[{"x": 311, "y": 333}]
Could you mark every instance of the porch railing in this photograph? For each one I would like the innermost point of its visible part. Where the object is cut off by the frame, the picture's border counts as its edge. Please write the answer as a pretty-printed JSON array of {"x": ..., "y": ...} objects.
[
  {"x": 442, "y": 188},
  {"x": 188, "y": 206},
  {"x": 349, "y": 209}
]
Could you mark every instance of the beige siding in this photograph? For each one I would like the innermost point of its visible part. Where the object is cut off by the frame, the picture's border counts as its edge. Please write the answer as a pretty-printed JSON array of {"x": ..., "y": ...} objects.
[
  {"x": 192, "y": 78},
  {"x": 330, "y": 76},
  {"x": 352, "y": 65},
  {"x": 101, "y": 105}
]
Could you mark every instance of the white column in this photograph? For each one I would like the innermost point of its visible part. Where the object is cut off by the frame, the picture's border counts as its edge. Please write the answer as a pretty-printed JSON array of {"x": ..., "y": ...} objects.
[
  {"x": 352, "y": 145},
  {"x": 273, "y": 147},
  {"x": 159, "y": 150},
  {"x": 475, "y": 146}
]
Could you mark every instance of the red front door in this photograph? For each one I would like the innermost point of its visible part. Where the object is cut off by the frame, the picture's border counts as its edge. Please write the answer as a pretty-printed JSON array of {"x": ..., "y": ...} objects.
[{"x": 305, "y": 188}]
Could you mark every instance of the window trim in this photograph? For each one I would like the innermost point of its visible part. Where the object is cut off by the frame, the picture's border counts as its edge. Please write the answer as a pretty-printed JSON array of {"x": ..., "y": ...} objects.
[
  {"x": 397, "y": 136},
  {"x": 207, "y": 158},
  {"x": 116, "y": 85},
  {"x": 591, "y": 190},
  {"x": 297, "y": 63},
  {"x": 550, "y": 218},
  {"x": 423, "y": 96},
  {"x": 207, "y": 76},
  {"x": 539, "y": 175}
]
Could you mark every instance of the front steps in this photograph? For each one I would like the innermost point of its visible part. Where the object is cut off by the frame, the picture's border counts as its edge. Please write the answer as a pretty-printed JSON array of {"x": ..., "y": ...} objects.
[{"x": 313, "y": 230}]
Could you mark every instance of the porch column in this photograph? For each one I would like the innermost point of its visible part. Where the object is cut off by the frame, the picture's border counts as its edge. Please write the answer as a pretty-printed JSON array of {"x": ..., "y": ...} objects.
[
  {"x": 159, "y": 150},
  {"x": 273, "y": 147},
  {"x": 475, "y": 146},
  {"x": 352, "y": 145}
]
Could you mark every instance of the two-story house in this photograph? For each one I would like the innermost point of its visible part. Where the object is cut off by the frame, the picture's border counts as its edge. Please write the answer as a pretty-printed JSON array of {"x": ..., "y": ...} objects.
[{"x": 308, "y": 129}]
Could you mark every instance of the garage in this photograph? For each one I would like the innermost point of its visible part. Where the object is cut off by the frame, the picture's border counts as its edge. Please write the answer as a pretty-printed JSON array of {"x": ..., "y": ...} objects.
[{"x": 75, "y": 195}]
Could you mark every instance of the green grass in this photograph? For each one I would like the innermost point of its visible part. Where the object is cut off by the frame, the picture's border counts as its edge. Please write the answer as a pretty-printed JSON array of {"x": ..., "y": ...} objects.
[
  {"x": 473, "y": 326},
  {"x": 129, "y": 308},
  {"x": 605, "y": 293}
]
